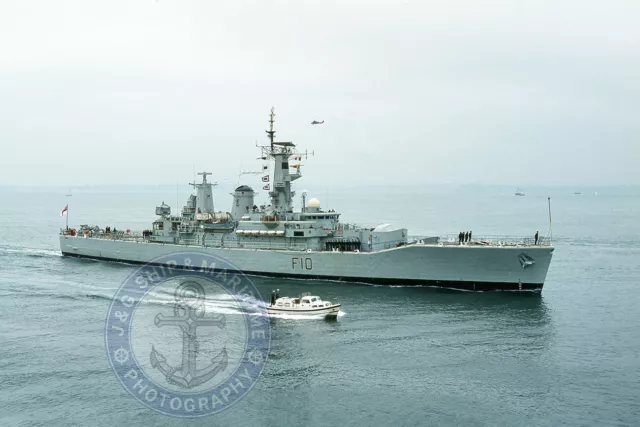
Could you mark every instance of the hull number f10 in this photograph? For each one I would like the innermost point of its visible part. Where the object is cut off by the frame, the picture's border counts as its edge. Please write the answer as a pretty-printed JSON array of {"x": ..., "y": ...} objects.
[{"x": 301, "y": 264}]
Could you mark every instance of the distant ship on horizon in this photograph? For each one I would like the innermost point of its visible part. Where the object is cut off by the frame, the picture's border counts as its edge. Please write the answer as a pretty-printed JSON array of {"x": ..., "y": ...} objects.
[{"x": 519, "y": 192}]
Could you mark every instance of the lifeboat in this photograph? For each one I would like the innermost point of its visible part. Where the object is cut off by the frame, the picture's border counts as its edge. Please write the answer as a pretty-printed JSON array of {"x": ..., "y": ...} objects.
[{"x": 218, "y": 227}]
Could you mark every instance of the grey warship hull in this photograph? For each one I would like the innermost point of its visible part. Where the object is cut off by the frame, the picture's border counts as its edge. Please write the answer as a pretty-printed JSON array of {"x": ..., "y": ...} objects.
[
  {"x": 474, "y": 268},
  {"x": 274, "y": 239}
]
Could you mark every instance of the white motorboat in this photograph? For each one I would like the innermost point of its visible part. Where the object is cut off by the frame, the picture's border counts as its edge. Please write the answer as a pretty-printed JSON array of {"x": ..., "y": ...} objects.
[{"x": 306, "y": 304}]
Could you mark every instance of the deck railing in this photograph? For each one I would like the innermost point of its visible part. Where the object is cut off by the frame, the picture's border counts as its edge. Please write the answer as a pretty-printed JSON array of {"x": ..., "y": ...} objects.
[
  {"x": 499, "y": 240},
  {"x": 450, "y": 239},
  {"x": 136, "y": 237},
  {"x": 118, "y": 235}
]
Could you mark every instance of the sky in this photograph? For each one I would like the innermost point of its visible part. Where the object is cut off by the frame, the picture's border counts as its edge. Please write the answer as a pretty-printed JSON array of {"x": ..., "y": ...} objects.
[{"x": 458, "y": 92}]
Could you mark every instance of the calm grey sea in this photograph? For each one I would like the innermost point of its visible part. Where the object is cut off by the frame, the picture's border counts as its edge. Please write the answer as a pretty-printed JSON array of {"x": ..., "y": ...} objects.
[{"x": 398, "y": 356}]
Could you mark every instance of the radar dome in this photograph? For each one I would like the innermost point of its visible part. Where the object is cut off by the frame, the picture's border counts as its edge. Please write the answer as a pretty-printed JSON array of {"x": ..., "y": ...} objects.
[{"x": 313, "y": 203}]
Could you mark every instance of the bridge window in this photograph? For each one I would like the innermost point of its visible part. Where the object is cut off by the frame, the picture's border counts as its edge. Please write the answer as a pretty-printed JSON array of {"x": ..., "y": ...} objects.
[
  {"x": 285, "y": 165},
  {"x": 298, "y": 233}
]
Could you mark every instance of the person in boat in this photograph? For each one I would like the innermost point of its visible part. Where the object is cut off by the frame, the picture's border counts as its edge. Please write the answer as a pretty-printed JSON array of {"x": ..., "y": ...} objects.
[
  {"x": 273, "y": 297},
  {"x": 277, "y": 293},
  {"x": 469, "y": 235}
]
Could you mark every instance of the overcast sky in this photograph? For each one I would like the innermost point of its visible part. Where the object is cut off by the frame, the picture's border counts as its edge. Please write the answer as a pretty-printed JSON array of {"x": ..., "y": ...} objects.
[{"x": 142, "y": 91}]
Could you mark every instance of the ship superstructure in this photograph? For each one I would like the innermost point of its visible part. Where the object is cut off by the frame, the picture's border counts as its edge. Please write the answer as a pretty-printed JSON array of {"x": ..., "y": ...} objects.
[{"x": 273, "y": 239}]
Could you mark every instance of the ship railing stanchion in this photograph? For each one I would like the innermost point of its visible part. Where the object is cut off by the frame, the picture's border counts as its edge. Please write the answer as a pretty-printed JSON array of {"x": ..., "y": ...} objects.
[{"x": 550, "y": 231}]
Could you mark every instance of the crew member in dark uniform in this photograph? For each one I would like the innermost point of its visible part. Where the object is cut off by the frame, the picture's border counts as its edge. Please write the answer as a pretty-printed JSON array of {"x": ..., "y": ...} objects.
[
  {"x": 273, "y": 297},
  {"x": 536, "y": 238}
]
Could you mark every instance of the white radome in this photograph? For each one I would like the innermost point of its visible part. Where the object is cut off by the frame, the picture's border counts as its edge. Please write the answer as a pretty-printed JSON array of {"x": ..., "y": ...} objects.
[{"x": 313, "y": 203}]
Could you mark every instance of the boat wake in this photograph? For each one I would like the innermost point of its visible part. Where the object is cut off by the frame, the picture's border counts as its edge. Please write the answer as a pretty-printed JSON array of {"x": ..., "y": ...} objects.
[{"x": 31, "y": 252}]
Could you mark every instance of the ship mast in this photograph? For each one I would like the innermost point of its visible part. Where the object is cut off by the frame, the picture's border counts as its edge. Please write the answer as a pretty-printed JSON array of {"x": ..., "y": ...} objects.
[
  {"x": 271, "y": 132},
  {"x": 279, "y": 185}
]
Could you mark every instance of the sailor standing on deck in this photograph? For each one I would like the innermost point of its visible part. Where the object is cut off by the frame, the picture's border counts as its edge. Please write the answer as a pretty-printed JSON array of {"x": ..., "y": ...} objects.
[
  {"x": 277, "y": 293},
  {"x": 536, "y": 238},
  {"x": 273, "y": 297}
]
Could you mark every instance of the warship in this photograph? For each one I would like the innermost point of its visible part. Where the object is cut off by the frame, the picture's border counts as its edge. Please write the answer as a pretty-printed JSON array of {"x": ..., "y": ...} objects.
[{"x": 313, "y": 243}]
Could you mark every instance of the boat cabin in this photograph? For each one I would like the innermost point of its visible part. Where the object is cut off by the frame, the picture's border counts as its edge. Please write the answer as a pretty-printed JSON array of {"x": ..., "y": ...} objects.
[
  {"x": 301, "y": 302},
  {"x": 312, "y": 301}
]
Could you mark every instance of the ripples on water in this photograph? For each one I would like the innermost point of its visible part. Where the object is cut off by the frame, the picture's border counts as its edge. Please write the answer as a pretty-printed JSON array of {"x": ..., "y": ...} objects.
[{"x": 395, "y": 355}]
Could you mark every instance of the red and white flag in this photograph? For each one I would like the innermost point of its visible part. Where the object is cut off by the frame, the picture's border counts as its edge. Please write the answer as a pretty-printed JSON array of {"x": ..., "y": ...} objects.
[
  {"x": 265, "y": 178},
  {"x": 64, "y": 211}
]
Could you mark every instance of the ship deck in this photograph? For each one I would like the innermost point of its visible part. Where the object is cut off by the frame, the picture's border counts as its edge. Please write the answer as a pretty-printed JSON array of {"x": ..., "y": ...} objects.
[{"x": 448, "y": 241}]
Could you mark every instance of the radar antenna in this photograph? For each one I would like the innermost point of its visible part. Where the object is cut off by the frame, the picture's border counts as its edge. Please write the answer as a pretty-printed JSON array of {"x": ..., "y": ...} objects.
[
  {"x": 204, "y": 180},
  {"x": 204, "y": 176}
]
